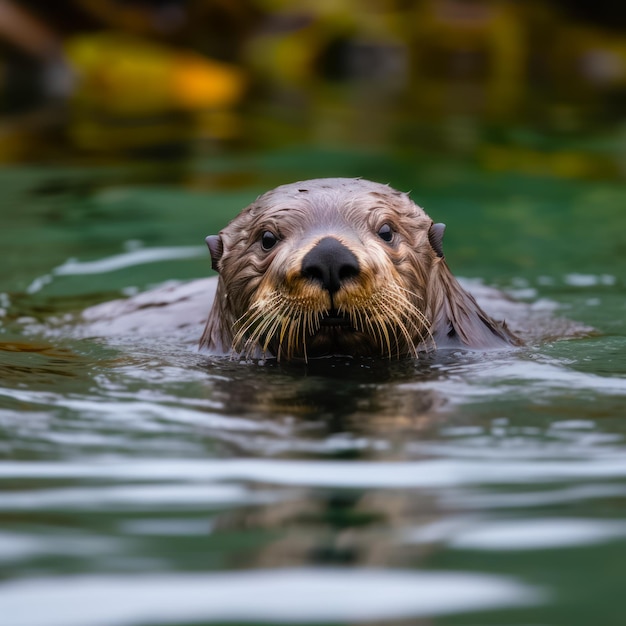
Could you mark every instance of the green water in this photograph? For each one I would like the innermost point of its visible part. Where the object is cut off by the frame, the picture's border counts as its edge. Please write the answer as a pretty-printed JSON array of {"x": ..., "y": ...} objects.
[{"x": 144, "y": 483}]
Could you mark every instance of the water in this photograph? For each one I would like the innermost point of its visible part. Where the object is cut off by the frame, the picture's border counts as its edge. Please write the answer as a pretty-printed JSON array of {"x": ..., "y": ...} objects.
[{"x": 144, "y": 483}]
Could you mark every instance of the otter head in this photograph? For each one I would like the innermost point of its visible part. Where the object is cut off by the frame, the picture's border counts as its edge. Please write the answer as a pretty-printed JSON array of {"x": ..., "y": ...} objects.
[{"x": 327, "y": 267}]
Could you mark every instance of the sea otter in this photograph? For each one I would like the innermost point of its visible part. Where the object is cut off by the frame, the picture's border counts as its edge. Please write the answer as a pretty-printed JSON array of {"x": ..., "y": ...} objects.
[{"x": 339, "y": 266}]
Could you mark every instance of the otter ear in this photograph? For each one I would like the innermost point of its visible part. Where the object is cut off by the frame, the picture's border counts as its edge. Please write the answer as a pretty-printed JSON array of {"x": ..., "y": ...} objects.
[
  {"x": 435, "y": 238},
  {"x": 216, "y": 248}
]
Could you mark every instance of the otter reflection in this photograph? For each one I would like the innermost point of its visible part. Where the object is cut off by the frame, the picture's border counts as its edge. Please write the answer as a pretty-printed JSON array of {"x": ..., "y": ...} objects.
[
  {"x": 326, "y": 397},
  {"x": 363, "y": 400}
]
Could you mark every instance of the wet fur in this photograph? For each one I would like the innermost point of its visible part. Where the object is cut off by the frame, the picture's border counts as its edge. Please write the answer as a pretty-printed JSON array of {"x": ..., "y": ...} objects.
[{"x": 404, "y": 300}]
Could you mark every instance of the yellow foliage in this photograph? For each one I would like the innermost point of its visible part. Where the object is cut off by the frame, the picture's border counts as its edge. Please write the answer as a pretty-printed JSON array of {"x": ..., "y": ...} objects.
[{"x": 126, "y": 75}]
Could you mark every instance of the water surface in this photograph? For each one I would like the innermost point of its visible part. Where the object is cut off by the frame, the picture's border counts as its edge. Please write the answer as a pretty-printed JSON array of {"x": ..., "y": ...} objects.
[{"x": 163, "y": 486}]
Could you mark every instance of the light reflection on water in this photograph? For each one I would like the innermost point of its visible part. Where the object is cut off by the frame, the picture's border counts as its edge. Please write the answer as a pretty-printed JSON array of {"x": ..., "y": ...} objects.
[{"x": 320, "y": 595}]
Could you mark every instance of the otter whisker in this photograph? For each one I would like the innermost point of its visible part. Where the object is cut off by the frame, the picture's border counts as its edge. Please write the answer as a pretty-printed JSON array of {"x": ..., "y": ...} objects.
[
  {"x": 400, "y": 307},
  {"x": 305, "y": 329},
  {"x": 276, "y": 319},
  {"x": 410, "y": 330},
  {"x": 244, "y": 324},
  {"x": 240, "y": 344},
  {"x": 409, "y": 292},
  {"x": 290, "y": 320},
  {"x": 255, "y": 315},
  {"x": 399, "y": 293},
  {"x": 362, "y": 317},
  {"x": 313, "y": 324},
  {"x": 395, "y": 310},
  {"x": 310, "y": 327},
  {"x": 365, "y": 323},
  {"x": 381, "y": 325},
  {"x": 384, "y": 324},
  {"x": 285, "y": 325},
  {"x": 267, "y": 322},
  {"x": 399, "y": 325},
  {"x": 406, "y": 305},
  {"x": 295, "y": 323},
  {"x": 278, "y": 327},
  {"x": 271, "y": 328},
  {"x": 374, "y": 325},
  {"x": 384, "y": 330},
  {"x": 256, "y": 318},
  {"x": 292, "y": 336},
  {"x": 394, "y": 330}
]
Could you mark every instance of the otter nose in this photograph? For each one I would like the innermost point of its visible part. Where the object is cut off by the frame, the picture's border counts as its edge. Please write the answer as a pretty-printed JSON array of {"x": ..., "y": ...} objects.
[{"x": 330, "y": 263}]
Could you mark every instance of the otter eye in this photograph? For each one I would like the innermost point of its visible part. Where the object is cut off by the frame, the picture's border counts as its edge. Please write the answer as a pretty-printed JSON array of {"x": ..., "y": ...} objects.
[
  {"x": 268, "y": 240},
  {"x": 385, "y": 233}
]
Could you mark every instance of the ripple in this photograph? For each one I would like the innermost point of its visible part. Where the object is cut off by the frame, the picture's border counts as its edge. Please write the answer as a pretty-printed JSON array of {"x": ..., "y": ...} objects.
[
  {"x": 538, "y": 534},
  {"x": 475, "y": 499},
  {"x": 436, "y": 473},
  {"x": 518, "y": 534},
  {"x": 17, "y": 546},
  {"x": 506, "y": 376},
  {"x": 128, "y": 259},
  {"x": 291, "y": 595},
  {"x": 135, "y": 497},
  {"x": 588, "y": 280},
  {"x": 140, "y": 413}
]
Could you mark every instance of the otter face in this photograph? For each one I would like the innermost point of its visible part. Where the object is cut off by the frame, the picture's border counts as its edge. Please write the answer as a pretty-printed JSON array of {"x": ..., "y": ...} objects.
[{"x": 325, "y": 267}]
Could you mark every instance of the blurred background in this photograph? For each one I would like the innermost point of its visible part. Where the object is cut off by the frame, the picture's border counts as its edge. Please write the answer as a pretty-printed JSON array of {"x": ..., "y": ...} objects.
[{"x": 537, "y": 86}]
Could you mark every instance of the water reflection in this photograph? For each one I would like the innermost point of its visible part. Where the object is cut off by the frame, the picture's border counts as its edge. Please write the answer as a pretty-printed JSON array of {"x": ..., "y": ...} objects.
[{"x": 369, "y": 398}]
